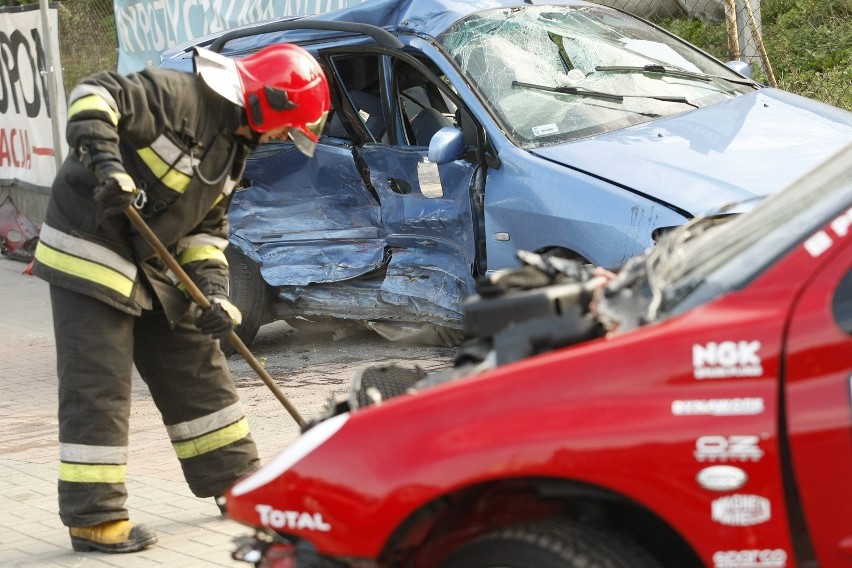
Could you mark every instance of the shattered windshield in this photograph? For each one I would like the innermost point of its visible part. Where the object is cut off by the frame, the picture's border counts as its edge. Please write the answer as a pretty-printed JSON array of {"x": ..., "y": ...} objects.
[{"x": 557, "y": 73}]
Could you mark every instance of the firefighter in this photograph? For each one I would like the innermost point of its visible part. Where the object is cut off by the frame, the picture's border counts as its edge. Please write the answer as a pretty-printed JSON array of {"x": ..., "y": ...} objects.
[{"x": 173, "y": 145}]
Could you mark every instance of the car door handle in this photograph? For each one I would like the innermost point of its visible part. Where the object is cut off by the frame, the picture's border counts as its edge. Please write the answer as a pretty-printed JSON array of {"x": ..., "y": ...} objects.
[{"x": 400, "y": 186}]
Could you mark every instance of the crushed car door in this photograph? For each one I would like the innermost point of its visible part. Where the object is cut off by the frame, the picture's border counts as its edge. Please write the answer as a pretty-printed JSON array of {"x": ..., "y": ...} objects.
[
  {"x": 309, "y": 221},
  {"x": 428, "y": 211}
]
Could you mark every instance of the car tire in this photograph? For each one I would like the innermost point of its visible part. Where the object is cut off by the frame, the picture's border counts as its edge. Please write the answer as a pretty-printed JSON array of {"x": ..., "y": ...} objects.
[
  {"x": 550, "y": 544},
  {"x": 561, "y": 252},
  {"x": 250, "y": 294}
]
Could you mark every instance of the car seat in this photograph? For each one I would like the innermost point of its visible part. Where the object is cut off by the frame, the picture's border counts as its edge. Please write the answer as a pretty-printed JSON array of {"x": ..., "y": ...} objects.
[
  {"x": 369, "y": 107},
  {"x": 427, "y": 122}
]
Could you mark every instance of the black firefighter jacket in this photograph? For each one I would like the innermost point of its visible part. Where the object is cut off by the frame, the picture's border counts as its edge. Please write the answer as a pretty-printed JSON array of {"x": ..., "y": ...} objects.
[{"x": 173, "y": 135}]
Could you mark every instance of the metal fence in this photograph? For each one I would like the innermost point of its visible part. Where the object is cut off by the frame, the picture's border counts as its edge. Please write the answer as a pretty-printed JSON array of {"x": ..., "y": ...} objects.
[
  {"x": 802, "y": 46},
  {"x": 87, "y": 39}
]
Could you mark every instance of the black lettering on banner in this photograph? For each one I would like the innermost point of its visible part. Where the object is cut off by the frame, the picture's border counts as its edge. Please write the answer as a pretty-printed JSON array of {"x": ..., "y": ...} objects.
[
  {"x": 16, "y": 51},
  {"x": 41, "y": 63}
]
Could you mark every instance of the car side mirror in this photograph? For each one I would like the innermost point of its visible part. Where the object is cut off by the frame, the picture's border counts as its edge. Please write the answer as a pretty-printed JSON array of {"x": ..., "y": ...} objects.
[
  {"x": 740, "y": 67},
  {"x": 447, "y": 145}
]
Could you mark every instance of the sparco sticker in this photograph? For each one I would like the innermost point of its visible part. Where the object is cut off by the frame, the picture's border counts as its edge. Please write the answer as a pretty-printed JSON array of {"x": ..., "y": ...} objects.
[
  {"x": 299, "y": 520},
  {"x": 741, "y": 510},
  {"x": 722, "y": 449},
  {"x": 718, "y": 407},
  {"x": 726, "y": 359},
  {"x": 757, "y": 558}
]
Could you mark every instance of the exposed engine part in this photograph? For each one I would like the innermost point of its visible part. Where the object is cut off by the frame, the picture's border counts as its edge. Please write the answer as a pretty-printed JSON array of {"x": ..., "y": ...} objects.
[{"x": 538, "y": 307}]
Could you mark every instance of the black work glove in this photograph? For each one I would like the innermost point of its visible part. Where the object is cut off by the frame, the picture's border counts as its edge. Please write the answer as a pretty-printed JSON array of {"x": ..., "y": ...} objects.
[
  {"x": 115, "y": 194},
  {"x": 220, "y": 319}
]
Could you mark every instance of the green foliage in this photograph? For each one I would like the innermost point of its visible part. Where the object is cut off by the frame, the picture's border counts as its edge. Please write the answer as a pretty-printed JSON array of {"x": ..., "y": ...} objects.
[
  {"x": 712, "y": 38},
  {"x": 87, "y": 38},
  {"x": 808, "y": 43}
]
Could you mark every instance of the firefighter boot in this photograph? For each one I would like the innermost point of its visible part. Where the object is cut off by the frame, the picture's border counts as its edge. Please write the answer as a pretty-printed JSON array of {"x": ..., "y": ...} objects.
[
  {"x": 221, "y": 502},
  {"x": 113, "y": 537}
]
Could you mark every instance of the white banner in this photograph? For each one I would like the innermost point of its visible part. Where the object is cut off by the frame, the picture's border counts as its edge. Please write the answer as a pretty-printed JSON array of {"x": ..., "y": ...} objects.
[
  {"x": 146, "y": 28},
  {"x": 27, "y": 153}
]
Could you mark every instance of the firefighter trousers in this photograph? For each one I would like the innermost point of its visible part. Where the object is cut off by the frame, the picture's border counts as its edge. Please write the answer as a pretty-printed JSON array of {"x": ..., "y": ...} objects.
[{"x": 188, "y": 378}]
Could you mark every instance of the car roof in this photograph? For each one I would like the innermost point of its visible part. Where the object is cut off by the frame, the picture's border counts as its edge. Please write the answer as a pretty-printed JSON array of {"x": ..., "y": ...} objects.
[
  {"x": 428, "y": 17},
  {"x": 422, "y": 17}
]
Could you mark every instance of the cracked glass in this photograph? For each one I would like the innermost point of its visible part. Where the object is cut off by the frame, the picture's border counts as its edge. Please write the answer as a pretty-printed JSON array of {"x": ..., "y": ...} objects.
[{"x": 552, "y": 74}]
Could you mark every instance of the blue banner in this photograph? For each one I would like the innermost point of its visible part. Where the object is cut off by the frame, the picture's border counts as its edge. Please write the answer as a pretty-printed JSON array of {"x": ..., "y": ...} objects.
[{"x": 146, "y": 28}]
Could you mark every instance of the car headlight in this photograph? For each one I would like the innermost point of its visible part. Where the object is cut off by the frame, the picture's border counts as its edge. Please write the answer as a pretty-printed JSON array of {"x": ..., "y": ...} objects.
[{"x": 292, "y": 454}]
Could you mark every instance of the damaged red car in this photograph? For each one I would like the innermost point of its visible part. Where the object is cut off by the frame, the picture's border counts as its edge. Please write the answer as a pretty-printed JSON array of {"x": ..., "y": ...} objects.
[{"x": 694, "y": 411}]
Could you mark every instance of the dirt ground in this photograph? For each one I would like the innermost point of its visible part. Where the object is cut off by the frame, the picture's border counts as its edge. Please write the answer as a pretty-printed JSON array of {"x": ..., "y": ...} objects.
[{"x": 314, "y": 366}]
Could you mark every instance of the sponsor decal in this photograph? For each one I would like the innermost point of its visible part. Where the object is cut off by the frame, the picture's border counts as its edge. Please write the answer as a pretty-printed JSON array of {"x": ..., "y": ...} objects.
[
  {"x": 721, "y": 478},
  {"x": 726, "y": 359},
  {"x": 545, "y": 130},
  {"x": 718, "y": 407},
  {"x": 757, "y": 558},
  {"x": 821, "y": 241},
  {"x": 722, "y": 449},
  {"x": 740, "y": 510},
  {"x": 298, "y": 520}
]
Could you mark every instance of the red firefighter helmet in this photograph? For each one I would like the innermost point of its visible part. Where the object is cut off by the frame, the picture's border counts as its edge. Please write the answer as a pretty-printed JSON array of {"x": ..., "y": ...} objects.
[{"x": 280, "y": 85}]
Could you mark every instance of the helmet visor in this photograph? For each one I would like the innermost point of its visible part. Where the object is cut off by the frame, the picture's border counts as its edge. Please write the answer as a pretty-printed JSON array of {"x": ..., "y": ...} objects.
[{"x": 306, "y": 138}]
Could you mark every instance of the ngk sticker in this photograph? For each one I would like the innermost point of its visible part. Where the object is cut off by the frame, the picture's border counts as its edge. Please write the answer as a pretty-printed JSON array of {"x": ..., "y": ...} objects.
[
  {"x": 298, "y": 520},
  {"x": 722, "y": 449},
  {"x": 718, "y": 407},
  {"x": 757, "y": 558},
  {"x": 741, "y": 510},
  {"x": 726, "y": 359}
]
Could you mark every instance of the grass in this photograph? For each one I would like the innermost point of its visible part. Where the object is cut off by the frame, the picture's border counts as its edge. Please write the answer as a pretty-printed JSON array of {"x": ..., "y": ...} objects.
[
  {"x": 87, "y": 39},
  {"x": 808, "y": 43}
]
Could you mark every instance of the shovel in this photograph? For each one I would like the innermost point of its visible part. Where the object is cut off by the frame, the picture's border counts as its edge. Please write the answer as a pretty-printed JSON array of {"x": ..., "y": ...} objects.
[{"x": 199, "y": 298}]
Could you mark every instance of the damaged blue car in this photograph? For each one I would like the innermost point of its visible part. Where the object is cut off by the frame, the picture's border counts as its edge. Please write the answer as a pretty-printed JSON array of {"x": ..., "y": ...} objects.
[{"x": 464, "y": 132}]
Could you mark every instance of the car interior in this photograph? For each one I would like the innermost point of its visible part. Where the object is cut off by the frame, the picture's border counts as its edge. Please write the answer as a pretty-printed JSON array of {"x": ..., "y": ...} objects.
[{"x": 424, "y": 109}]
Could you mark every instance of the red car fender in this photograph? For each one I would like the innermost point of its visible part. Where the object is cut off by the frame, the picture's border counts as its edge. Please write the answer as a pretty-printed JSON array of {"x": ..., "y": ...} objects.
[{"x": 592, "y": 414}]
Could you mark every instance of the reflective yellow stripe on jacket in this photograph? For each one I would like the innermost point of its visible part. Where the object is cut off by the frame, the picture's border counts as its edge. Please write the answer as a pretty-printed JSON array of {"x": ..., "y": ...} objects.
[
  {"x": 87, "y": 98},
  {"x": 199, "y": 247},
  {"x": 84, "y": 259},
  {"x": 211, "y": 432},
  {"x": 170, "y": 163}
]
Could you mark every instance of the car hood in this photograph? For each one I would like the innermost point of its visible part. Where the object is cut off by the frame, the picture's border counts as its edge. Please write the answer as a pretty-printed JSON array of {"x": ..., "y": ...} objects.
[{"x": 749, "y": 146}]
